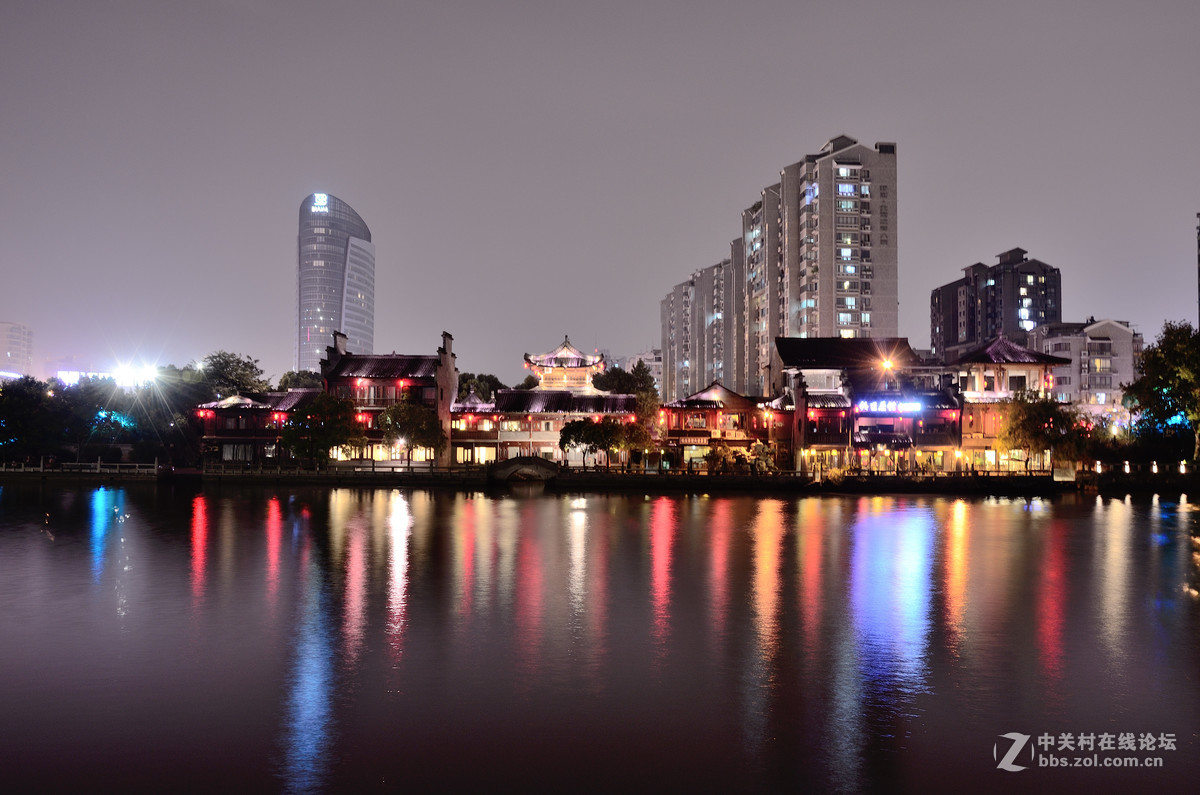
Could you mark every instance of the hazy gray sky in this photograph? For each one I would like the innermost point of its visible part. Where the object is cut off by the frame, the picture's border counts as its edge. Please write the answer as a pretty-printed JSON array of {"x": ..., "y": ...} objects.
[{"x": 534, "y": 169}]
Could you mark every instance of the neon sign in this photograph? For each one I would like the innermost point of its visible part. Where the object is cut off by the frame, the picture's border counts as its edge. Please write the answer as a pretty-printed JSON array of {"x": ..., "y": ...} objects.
[
  {"x": 320, "y": 203},
  {"x": 889, "y": 407}
]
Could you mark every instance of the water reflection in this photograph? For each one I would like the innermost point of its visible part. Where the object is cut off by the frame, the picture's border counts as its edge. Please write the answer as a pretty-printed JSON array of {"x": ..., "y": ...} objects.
[
  {"x": 890, "y": 587},
  {"x": 662, "y": 534},
  {"x": 199, "y": 548},
  {"x": 308, "y": 727},
  {"x": 957, "y": 566},
  {"x": 274, "y": 545},
  {"x": 758, "y": 678},
  {"x": 108, "y": 510},
  {"x": 841, "y": 643},
  {"x": 399, "y": 523}
]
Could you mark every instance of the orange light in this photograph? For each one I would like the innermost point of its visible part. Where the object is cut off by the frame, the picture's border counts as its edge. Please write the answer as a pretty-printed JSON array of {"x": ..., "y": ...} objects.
[{"x": 812, "y": 415}]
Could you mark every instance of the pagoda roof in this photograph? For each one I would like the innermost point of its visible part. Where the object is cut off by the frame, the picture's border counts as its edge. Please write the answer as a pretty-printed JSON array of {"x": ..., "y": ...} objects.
[
  {"x": 383, "y": 365},
  {"x": 1005, "y": 351},
  {"x": 236, "y": 402},
  {"x": 544, "y": 401},
  {"x": 565, "y": 355},
  {"x": 472, "y": 403},
  {"x": 714, "y": 396}
]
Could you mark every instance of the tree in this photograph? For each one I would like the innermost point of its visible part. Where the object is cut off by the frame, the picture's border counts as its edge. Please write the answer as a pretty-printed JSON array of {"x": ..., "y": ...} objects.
[
  {"x": 633, "y": 382},
  {"x": 1167, "y": 389},
  {"x": 29, "y": 427},
  {"x": 91, "y": 415},
  {"x": 591, "y": 436},
  {"x": 413, "y": 424},
  {"x": 232, "y": 373},
  {"x": 161, "y": 410},
  {"x": 530, "y": 382},
  {"x": 327, "y": 422},
  {"x": 485, "y": 385},
  {"x": 1033, "y": 424},
  {"x": 300, "y": 379}
]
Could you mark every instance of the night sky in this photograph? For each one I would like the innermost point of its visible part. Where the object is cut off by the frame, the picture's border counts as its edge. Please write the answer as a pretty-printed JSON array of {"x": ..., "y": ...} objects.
[{"x": 535, "y": 169}]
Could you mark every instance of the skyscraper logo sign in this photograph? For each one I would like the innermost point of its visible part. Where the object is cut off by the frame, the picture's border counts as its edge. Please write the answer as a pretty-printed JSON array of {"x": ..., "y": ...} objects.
[{"x": 320, "y": 203}]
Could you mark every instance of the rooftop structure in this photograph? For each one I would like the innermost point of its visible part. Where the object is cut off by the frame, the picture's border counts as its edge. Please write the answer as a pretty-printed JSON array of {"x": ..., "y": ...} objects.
[{"x": 566, "y": 368}]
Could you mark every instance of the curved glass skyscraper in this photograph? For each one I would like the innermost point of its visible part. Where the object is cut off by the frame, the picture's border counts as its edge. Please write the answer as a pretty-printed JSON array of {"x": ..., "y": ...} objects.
[{"x": 336, "y": 287}]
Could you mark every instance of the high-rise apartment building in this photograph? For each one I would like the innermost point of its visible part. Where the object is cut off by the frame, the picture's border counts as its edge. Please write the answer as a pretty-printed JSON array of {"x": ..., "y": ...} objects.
[
  {"x": 16, "y": 350},
  {"x": 1103, "y": 355},
  {"x": 816, "y": 258},
  {"x": 1008, "y": 299},
  {"x": 700, "y": 331},
  {"x": 820, "y": 252},
  {"x": 336, "y": 280}
]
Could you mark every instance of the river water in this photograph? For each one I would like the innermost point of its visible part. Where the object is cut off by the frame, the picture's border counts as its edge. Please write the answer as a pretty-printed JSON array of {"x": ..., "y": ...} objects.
[{"x": 158, "y": 639}]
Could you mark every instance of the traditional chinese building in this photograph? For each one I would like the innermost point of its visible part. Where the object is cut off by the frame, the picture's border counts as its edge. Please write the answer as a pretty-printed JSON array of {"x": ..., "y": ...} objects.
[
  {"x": 868, "y": 404},
  {"x": 373, "y": 382},
  {"x": 989, "y": 376},
  {"x": 474, "y": 430},
  {"x": 522, "y": 422},
  {"x": 244, "y": 429},
  {"x": 566, "y": 369},
  {"x": 717, "y": 416}
]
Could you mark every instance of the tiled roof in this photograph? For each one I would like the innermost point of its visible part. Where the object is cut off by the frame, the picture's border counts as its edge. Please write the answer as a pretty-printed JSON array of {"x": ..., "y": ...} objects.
[
  {"x": 837, "y": 353},
  {"x": 538, "y": 401},
  {"x": 293, "y": 398},
  {"x": 236, "y": 402},
  {"x": 714, "y": 396},
  {"x": 828, "y": 400},
  {"x": 1004, "y": 351},
  {"x": 388, "y": 365},
  {"x": 565, "y": 355},
  {"x": 472, "y": 403}
]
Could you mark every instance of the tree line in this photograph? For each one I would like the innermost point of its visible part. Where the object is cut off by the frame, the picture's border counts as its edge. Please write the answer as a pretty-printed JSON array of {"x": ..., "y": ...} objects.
[{"x": 96, "y": 418}]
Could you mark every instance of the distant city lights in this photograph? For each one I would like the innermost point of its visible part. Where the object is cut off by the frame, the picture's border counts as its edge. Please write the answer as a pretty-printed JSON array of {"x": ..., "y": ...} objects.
[{"x": 127, "y": 376}]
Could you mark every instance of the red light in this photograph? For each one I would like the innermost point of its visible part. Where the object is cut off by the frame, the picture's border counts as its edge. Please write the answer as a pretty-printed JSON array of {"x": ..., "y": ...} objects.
[
  {"x": 842, "y": 414},
  {"x": 812, "y": 415}
]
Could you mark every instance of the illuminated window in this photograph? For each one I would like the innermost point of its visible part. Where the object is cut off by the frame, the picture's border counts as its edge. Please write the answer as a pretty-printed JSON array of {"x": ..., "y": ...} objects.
[{"x": 845, "y": 189}]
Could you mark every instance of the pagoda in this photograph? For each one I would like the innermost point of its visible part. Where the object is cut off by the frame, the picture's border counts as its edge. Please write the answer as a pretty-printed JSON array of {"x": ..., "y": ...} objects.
[{"x": 566, "y": 369}]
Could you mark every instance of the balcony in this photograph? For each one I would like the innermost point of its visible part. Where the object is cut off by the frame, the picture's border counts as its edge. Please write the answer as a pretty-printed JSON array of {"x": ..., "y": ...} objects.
[{"x": 889, "y": 439}]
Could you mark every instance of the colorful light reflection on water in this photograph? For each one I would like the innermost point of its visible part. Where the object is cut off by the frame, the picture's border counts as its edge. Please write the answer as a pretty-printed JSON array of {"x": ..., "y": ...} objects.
[{"x": 312, "y": 639}]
